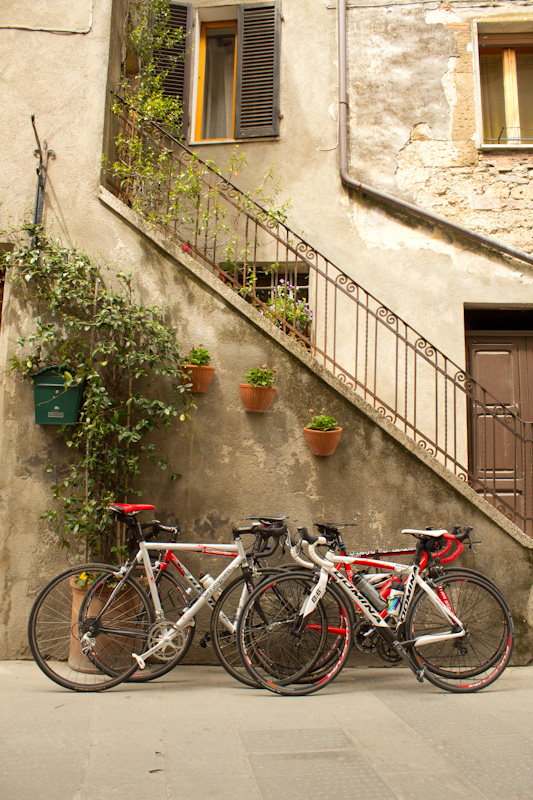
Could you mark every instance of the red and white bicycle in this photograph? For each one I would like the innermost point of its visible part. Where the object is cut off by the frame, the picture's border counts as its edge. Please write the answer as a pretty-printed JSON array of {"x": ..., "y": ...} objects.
[{"x": 452, "y": 628}]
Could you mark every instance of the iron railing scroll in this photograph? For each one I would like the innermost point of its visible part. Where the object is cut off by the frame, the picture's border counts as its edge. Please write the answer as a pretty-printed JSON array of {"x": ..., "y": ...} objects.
[{"x": 364, "y": 343}]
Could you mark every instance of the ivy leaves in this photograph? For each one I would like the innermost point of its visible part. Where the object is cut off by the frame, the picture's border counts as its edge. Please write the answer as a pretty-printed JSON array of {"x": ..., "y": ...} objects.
[{"x": 127, "y": 358}]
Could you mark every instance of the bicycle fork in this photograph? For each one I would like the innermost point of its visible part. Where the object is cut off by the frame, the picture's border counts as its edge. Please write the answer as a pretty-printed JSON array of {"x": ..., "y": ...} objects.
[
  {"x": 441, "y": 602},
  {"x": 310, "y": 603}
]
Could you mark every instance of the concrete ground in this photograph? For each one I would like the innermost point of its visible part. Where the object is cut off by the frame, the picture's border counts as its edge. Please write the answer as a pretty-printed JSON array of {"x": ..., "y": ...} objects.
[{"x": 374, "y": 734}]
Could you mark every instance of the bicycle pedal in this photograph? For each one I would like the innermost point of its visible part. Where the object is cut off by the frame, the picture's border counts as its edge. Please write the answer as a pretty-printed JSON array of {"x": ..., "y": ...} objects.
[
  {"x": 140, "y": 661},
  {"x": 204, "y": 640}
]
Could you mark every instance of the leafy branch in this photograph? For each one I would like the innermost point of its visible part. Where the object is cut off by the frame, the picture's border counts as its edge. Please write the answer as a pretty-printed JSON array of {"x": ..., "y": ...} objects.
[{"x": 128, "y": 361}]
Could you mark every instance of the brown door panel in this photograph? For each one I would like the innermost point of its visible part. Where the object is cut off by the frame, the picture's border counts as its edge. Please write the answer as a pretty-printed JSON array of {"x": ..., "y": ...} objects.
[{"x": 502, "y": 364}]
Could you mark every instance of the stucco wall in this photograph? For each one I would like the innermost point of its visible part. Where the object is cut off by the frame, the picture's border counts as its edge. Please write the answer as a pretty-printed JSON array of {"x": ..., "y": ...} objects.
[
  {"x": 412, "y": 114},
  {"x": 233, "y": 464}
]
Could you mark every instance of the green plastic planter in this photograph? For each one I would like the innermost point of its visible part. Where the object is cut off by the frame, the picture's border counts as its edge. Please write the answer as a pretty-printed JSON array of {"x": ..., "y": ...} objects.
[{"x": 55, "y": 405}]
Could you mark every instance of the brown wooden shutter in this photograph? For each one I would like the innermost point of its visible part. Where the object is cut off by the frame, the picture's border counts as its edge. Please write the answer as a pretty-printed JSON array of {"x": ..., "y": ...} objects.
[
  {"x": 177, "y": 82},
  {"x": 258, "y": 57}
]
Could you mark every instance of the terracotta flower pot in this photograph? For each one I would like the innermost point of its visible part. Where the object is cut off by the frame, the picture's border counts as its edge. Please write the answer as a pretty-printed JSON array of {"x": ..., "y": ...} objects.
[
  {"x": 199, "y": 376},
  {"x": 322, "y": 443},
  {"x": 128, "y": 606},
  {"x": 256, "y": 398},
  {"x": 76, "y": 659}
]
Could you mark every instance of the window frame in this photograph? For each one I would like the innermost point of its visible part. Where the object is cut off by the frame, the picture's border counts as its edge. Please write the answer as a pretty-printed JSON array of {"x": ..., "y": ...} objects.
[
  {"x": 499, "y": 35},
  {"x": 200, "y": 80},
  {"x": 240, "y": 15}
]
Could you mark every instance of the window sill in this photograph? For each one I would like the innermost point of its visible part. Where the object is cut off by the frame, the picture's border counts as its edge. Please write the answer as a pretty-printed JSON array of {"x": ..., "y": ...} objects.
[
  {"x": 232, "y": 141},
  {"x": 504, "y": 147}
]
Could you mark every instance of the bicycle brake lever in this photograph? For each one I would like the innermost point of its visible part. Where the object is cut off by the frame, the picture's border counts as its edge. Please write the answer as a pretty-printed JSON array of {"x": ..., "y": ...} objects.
[{"x": 468, "y": 530}]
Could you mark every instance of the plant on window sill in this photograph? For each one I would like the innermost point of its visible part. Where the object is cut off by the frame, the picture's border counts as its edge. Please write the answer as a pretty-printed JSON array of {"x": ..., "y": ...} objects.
[{"x": 285, "y": 306}]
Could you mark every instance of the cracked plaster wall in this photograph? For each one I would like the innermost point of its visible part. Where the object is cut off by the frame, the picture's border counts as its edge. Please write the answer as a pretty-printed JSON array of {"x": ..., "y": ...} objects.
[{"x": 412, "y": 84}]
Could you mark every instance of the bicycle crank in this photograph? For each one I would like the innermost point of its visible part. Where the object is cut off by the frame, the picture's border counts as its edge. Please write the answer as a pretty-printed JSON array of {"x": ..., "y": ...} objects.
[
  {"x": 387, "y": 653},
  {"x": 169, "y": 649},
  {"x": 365, "y": 637}
]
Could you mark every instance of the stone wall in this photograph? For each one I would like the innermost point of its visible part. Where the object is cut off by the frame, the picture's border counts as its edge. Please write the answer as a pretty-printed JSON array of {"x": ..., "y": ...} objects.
[{"x": 415, "y": 106}]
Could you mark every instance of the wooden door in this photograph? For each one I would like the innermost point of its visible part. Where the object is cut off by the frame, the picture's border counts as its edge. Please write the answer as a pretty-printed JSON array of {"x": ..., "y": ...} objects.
[{"x": 499, "y": 453}]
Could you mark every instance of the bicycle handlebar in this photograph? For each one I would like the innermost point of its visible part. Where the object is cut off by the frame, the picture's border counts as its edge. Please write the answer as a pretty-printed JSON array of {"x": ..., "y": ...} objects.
[
  {"x": 457, "y": 537},
  {"x": 264, "y": 529}
]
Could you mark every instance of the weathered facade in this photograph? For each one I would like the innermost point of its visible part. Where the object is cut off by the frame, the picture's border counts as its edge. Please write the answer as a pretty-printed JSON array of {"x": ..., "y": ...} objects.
[{"x": 415, "y": 134}]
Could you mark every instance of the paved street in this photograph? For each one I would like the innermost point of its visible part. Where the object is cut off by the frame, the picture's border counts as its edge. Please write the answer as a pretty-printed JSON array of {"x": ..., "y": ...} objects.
[{"x": 374, "y": 734}]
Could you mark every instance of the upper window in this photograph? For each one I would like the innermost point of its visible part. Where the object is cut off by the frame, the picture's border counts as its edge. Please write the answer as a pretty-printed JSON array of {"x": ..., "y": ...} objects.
[
  {"x": 215, "y": 109},
  {"x": 506, "y": 73},
  {"x": 237, "y": 58}
]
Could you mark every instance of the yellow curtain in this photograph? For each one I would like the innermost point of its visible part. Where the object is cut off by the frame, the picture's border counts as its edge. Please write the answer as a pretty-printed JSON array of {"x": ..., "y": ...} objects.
[{"x": 493, "y": 99}]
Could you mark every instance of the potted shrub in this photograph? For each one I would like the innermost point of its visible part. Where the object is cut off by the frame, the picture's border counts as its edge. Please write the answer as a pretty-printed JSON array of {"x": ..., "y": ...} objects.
[
  {"x": 322, "y": 435},
  {"x": 197, "y": 370},
  {"x": 259, "y": 390}
]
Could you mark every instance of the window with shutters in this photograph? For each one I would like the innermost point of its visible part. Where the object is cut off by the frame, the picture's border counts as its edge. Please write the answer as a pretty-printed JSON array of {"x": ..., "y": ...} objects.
[
  {"x": 506, "y": 82},
  {"x": 237, "y": 52},
  {"x": 176, "y": 61}
]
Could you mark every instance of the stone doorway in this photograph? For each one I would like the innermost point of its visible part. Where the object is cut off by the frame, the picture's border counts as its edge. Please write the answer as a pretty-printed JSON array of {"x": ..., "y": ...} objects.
[{"x": 499, "y": 353}]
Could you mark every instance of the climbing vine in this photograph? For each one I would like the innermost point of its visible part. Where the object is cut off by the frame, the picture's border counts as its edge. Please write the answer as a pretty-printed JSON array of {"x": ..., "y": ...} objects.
[
  {"x": 168, "y": 185},
  {"x": 125, "y": 356}
]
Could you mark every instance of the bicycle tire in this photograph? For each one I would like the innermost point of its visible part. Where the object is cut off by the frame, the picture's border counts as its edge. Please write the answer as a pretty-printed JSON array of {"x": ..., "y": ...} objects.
[
  {"x": 275, "y": 614},
  {"x": 224, "y": 641},
  {"x": 54, "y": 639},
  {"x": 470, "y": 663},
  {"x": 332, "y": 651},
  {"x": 275, "y": 653},
  {"x": 479, "y": 590},
  {"x": 173, "y": 597},
  {"x": 476, "y": 574}
]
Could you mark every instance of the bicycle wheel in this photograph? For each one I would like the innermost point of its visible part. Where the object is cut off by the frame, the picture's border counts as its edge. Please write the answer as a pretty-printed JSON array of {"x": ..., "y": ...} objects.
[
  {"x": 223, "y": 630},
  {"x": 54, "y": 634},
  {"x": 277, "y": 647},
  {"x": 224, "y": 623},
  {"x": 468, "y": 663},
  {"x": 173, "y": 597},
  {"x": 335, "y": 642}
]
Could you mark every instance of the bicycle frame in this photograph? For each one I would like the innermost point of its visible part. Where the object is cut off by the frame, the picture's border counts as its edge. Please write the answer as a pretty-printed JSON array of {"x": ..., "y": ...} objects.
[
  {"x": 412, "y": 580},
  {"x": 169, "y": 559},
  {"x": 239, "y": 561}
]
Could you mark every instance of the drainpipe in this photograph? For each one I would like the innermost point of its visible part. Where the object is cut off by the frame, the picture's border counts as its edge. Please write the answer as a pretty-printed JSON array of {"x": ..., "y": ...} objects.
[{"x": 384, "y": 197}]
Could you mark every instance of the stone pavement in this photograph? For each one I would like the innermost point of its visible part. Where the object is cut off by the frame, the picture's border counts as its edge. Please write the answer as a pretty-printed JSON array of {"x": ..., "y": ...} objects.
[{"x": 374, "y": 734}]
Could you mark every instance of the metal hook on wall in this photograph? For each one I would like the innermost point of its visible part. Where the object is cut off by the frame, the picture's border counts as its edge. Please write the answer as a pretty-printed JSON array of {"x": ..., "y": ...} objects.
[{"x": 43, "y": 154}]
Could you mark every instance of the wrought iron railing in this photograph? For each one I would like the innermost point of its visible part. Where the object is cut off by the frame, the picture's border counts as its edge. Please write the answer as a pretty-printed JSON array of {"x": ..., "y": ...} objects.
[{"x": 365, "y": 344}]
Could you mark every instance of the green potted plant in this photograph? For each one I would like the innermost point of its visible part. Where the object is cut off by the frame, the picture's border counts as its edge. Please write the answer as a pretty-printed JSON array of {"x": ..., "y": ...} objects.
[
  {"x": 286, "y": 305},
  {"x": 259, "y": 390},
  {"x": 197, "y": 370},
  {"x": 322, "y": 434}
]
